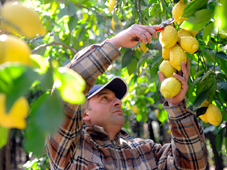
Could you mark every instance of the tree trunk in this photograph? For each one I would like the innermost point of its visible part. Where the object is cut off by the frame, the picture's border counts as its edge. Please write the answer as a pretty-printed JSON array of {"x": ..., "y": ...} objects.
[
  {"x": 217, "y": 158},
  {"x": 150, "y": 129},
  {"x": 5, "y": 155}
]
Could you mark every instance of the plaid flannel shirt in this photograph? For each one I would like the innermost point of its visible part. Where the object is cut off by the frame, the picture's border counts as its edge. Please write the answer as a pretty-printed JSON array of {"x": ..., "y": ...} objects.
[{"x": 80, "y": 147}]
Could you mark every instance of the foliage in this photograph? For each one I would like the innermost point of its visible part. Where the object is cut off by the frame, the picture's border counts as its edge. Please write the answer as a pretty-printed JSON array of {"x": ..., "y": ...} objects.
[{"x": 72, "y": 25}]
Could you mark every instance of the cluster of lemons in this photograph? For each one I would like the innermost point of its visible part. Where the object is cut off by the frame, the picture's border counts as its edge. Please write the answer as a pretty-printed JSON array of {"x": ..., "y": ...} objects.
[
  {"x": 212, "y": 115},
  {"x": 17, "y": 19},
  {"x": 175, "y": 44}
]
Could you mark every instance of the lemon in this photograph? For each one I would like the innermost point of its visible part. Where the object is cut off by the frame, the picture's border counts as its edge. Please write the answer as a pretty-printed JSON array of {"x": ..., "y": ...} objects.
[
  {"x": 165, "y": 53},
  {"x": 205, "y": 103},
  {"x": 135, "y": 109},
  {"x": 177, "y": 55},
  {"x": 112, "y": 3},
  {"x": 183, "y": 32},
  {"x": 168, "y": 37},
  {"x": 170, "y": 87},
  {"x": 143, "y": 47},
  {"x": 13, "y": 49},
  {"x": 166, "y": 68},
  {"x": 19, "y": 19},
  {"x": 189, "y": 44},
  {"x": 177, "y": 12},
  {"x": 204, "y": 116},
  {"x": 214, "y": 115},
  {"x": 16, "y": 116}
]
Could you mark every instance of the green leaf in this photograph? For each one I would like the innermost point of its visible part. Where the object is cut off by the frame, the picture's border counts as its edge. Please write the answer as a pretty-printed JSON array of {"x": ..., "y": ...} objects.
[
  {"x": 62, "y": 12},
  {"x": 219, "y": 139},
  {"x": 73, "y": 20},
  {"x": 200, "y": 99},
  {"x": 132, "y": 67},
  {"x": 139, "y": 117},
  {"x": 71, "y": 10},
  {"x": 199, "y": 73},
  {"x": 127, "y": 58},
  {"x": 207, "y": 32},
  {"x": 15, "y": 81},
  {"x": 222, "y": 55},
  {"x": 48, "y": 108},
  {"x": 3, "y": 136},
  {"x": 220, "y": 15},
  {"x": 206, "y": 75},
  {"x": 223, "y": 64},
  {"x": 192, "y": 7},
  {"x": 209, "y": 54},
  {"x": 70, "y": 84},
  {"x": 163, "y": 116},
  {"x": 115, "y": 17},
  {"x": 40, "y": 63},
  {"x": 198, "y": 21},
  {"x": 222, "y": 87},
  {"x": 34, "y": 139}
]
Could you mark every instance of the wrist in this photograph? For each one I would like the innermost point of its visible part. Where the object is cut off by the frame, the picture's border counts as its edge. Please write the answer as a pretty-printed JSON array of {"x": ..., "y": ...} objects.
[{"x": 114, "y": 42}]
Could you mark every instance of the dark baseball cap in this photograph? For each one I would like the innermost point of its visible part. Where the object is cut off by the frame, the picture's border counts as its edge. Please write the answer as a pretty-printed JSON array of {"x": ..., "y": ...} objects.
[{"x": 116, "y": 85}]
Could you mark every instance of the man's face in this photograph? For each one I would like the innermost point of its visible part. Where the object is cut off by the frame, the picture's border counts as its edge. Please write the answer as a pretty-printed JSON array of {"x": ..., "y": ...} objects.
[{"x": 104, "y": 109}]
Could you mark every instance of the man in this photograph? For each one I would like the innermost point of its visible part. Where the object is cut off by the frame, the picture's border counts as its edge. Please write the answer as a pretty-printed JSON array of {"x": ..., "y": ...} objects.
[{"x": 100, "y": 143}]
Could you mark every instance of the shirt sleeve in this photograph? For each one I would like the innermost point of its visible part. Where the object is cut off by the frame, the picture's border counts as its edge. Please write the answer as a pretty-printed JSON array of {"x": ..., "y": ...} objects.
[
  {"x": 188, "y": 148},
  {"x": 89, "y": 63}
]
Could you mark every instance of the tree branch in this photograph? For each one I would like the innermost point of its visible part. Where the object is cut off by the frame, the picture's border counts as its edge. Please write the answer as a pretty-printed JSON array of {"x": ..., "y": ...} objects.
[{"x": 53, "y": 43}]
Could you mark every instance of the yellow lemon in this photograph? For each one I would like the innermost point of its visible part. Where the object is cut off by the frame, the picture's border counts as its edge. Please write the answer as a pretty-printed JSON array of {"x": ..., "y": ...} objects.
[
  {"x": 204, "y": 116},
  {"x": 16, "y": 116},
  {"x": 183, "y": 32},
  {"x": 214, "y": 115},
  {"x": 169, "y": 132},
  {"x": 177, "y": 12},
  {"x": 166, "y": 53},
  {"x": 13, "y": 49},
  {"x": 166, "y": 68},
  {"x": 143, "y": 47},
  {"x": 19, "y": 19},
  {"x": 168, "y": 37},
  {"x": 112, "y": 3},
  {"x": 170, "y": 87},
  {"x": 177, "y": 55},
  {"x": 135, "y": 109},
  {"x": 189, "y": 44}
]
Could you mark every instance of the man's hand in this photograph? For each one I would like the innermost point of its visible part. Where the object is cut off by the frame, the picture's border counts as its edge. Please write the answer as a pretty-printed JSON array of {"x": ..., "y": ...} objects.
[
  {"x": 184, "y": 83},
  {"x": 143, "y": 32}
]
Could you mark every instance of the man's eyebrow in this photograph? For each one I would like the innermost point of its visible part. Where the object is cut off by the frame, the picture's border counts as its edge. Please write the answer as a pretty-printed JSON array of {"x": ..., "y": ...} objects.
[{"x": 102, "y": 93}]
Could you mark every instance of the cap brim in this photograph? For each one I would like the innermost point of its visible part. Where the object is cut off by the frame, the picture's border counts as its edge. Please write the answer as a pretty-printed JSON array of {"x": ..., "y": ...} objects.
[{"x": 116, "y": 85}]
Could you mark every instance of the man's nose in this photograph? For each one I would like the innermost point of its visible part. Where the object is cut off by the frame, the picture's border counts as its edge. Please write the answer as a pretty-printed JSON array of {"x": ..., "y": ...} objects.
[{"x": 117, "y": 102}]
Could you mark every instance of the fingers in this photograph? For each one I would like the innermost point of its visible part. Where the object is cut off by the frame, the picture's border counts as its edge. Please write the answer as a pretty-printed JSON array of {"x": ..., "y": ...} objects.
[
  {"x": 188, "y": 66},
  {"x": 161, "y": 76},
  {"x": 144, "y": 33},
  {"x": 186, "y": 69}
]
